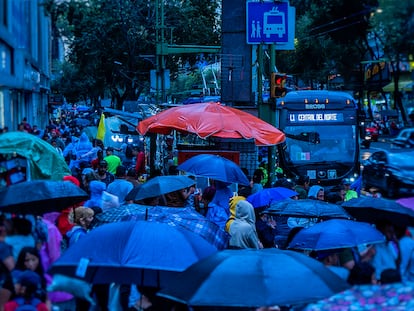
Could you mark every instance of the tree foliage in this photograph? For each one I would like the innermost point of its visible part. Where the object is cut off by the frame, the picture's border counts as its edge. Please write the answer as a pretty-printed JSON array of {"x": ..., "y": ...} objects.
[
  {"x": 330, "y": 38},
  {"x": 107, "y": 41},
  {"x": 393, "y": 26}
]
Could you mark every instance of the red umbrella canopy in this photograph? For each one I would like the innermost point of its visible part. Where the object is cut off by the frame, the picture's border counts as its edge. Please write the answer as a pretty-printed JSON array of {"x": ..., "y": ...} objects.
[{"x": 212, "y": 119}]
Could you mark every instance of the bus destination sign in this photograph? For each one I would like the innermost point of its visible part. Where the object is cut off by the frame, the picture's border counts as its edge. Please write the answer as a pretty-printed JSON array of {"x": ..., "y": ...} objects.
[{"x": 315, "y": 117}]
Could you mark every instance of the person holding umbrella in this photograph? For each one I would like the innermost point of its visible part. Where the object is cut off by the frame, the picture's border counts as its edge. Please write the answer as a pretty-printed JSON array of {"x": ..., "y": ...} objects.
[
  {"x": 406, "y": 243},
  {"x": 387, "y": 254}
]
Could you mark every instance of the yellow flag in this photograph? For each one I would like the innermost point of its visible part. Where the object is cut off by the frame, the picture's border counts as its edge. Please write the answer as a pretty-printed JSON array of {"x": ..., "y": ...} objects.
[{"x": 101, "y": 128}]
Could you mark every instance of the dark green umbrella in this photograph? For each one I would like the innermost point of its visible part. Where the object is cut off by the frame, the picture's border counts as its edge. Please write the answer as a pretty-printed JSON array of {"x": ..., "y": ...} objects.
[{"x": 44, "y": 162}]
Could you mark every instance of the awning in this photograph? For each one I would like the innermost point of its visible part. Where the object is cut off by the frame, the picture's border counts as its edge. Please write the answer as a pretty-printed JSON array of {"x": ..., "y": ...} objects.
[{"x": 403, "y": 86}]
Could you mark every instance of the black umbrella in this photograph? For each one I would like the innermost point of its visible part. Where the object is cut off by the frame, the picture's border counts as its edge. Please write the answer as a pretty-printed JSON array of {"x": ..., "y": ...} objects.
[
  {"x": 38, "y": 197},
  {"x": 371, "y": 210},
  {"x": 159, "y": 185},
  {"x": 307, "y": 208}
]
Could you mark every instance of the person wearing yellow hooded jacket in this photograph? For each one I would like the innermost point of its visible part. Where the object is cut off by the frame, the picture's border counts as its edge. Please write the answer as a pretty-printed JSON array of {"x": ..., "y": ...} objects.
[
  {"x": 243, "y": 228},
  {"x": 232, "y": 205}
]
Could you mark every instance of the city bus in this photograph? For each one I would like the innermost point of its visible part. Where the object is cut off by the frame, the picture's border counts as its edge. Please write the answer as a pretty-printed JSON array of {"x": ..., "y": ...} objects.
[{"x": 322, "y": 136}]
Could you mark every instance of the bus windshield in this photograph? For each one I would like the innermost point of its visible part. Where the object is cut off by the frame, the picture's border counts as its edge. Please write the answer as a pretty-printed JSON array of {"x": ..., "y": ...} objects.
[{"x": 309, "y": 144}]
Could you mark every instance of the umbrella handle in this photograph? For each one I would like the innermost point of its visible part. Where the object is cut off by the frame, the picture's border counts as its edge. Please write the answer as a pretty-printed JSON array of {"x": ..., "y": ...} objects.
[{"x": 146, "y": 213}]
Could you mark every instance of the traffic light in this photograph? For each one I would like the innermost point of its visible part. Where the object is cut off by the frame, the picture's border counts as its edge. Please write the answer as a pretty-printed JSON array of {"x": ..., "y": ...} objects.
[{"x": 277, "y": 85}]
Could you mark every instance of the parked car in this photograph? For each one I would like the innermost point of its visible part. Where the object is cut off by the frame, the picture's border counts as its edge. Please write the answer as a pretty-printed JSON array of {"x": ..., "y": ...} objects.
[
  {"x": 405, "y": 139},
  {"x": 391, "y": 171}
]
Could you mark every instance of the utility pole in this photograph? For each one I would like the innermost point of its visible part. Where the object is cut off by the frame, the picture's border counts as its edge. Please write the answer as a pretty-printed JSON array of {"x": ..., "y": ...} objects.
[
  {"x": 267, "y": 110},
  {"x": 271, "y": 153}
]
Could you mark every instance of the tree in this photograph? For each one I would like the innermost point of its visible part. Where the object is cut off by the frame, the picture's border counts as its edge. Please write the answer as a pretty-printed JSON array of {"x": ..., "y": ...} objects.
[
  {"x": 329, "y": 40},
  {"x": 393, "y": 25},
  {"x": 107, "y": 39}
]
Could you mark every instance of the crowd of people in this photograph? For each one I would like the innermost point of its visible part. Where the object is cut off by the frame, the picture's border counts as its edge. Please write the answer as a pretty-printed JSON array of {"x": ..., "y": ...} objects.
[{"x": 28, "y": 247}]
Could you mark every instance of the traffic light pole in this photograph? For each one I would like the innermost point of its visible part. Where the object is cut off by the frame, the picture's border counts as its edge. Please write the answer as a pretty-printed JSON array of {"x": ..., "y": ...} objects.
[
  {"x": 272, "y": 115},
  {"x": 266, "y": 111}
]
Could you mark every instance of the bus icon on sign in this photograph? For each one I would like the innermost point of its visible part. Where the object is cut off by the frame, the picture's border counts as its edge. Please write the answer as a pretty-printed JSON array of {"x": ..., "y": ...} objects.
[{"x": 274, "y": 23}]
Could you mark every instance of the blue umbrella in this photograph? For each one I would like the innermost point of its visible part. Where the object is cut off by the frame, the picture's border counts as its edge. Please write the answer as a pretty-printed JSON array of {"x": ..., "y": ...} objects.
[
  {"x": 334, "y": 234},
  {"x": 214, "y": 167},
  {"x": 140, "y": 252},
  {"x": 268, "y": 195},
  {"x": 186, "y": 218},
  {"x": 254, "y": 278}
]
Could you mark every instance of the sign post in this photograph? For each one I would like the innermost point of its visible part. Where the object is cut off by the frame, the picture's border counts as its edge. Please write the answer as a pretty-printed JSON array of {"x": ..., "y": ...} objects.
[{"x": 271, "y": 23}]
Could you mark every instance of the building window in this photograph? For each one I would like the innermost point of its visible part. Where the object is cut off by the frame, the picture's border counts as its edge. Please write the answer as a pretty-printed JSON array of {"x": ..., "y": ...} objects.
[
  {"x": 5, "y": 58},
  {"x": 3, "y": 12}
]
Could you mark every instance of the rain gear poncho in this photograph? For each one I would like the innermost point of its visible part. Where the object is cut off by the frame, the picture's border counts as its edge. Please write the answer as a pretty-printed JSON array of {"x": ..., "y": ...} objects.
[
  {"x": 243, "y": 229},
  {"x": 96, "y": 188},
  {"x": 217, "y": 214},
  {"x": 81, "y": 152},
  {"x": 120, "y": 187},
  {"x": 313, "y": 192},
  {"x": 76, "y": 233},
  {"x": 223, "y": 195},
  {"x": 83, "y": 146}
]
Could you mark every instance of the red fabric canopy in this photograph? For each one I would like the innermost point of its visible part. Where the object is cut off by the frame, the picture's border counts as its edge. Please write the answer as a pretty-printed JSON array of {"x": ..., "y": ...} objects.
[{"x": 212, "y": 119}]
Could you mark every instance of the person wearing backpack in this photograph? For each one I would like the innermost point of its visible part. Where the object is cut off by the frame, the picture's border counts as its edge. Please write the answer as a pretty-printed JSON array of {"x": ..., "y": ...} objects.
[{"x": 26, "y": 284}]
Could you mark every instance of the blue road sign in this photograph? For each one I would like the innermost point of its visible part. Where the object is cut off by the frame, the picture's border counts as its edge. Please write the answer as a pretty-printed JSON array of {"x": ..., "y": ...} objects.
[{"x": 267, "y": 22}]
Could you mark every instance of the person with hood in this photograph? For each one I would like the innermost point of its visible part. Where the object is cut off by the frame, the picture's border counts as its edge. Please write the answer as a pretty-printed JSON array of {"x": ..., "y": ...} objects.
[
  {"x": 214, "y": 212},
  {"x": 80, "y": 152},
  {"x": 82, "y": 218},
  {"x": 96, "y": 189},
  {"x": 222, "y": 195},
  {"x": 232, "y": 204},
  {"x": 316, "y": 193},
  {"x": 243, "y": 229}
]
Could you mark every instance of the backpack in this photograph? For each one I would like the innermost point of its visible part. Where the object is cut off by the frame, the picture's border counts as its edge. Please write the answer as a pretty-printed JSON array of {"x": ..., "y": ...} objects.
[
  {"x": 128, "y": 152},
  {"x": 26, "y": 305}
]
